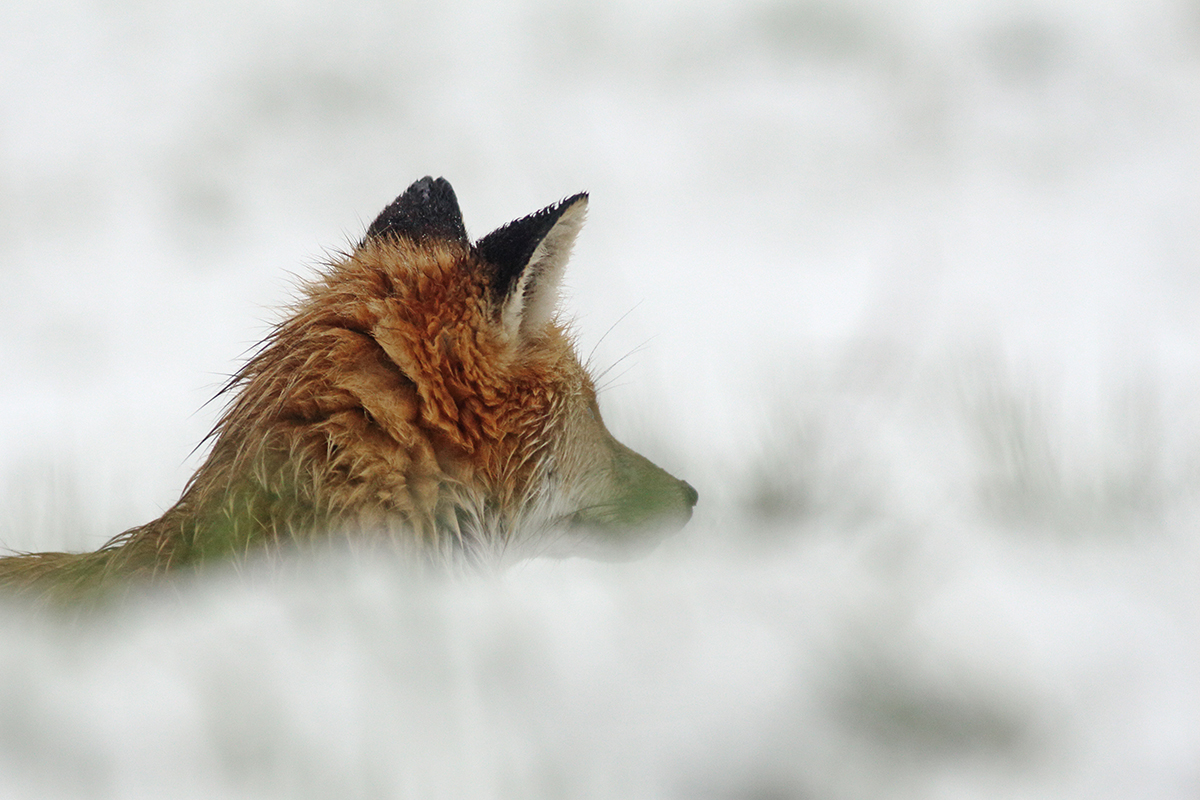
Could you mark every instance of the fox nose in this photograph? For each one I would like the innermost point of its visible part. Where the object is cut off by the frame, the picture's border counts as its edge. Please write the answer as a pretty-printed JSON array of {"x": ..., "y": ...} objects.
[{"x": 690, "y": 495}]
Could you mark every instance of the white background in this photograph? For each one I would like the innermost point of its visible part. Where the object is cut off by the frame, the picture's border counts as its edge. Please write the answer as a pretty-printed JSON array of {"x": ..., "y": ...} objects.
[{"x": 908, "y": 291}]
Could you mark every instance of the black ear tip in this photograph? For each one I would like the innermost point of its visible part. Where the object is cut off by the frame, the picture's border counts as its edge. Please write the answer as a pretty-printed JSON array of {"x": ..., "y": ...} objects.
[
  {"x": 427, "y": 209},
  {"x": 509, "y": 248},
  {"x": 425, "y": 189}
]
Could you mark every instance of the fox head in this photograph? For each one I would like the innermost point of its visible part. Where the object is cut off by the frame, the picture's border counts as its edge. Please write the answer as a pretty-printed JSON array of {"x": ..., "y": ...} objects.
[{"x": 426, "y": 388}]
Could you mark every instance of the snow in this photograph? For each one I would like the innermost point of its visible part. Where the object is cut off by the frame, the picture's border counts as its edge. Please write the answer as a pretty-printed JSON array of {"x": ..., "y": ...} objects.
[{"x": 908, "y": 291}]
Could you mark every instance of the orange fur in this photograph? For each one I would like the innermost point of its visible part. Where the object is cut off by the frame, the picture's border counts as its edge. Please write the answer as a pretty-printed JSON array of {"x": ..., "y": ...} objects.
[{"x": 395, "y": 407}]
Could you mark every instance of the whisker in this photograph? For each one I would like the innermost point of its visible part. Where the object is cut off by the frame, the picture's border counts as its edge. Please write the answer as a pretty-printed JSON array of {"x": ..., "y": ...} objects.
[{"x": 592, "y": 353}]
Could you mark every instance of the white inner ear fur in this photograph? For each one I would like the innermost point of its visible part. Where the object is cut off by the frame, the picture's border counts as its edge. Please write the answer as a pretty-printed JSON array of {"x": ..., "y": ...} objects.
[{"x": 534, "y": 298}]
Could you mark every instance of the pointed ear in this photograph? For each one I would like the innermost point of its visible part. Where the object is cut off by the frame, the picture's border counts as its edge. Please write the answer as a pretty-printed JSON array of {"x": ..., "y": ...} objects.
[
  {"x": 427, "y": 209},
  {"x": 528, "y": 257}
]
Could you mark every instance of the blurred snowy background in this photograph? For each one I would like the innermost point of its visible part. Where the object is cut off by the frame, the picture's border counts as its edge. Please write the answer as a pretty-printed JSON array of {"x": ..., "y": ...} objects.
[{"x": 909, "y": 291}]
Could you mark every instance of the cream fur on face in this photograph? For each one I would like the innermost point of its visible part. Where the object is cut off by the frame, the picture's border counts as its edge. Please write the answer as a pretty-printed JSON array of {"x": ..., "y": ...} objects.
[{"x": 421, "y": 398}]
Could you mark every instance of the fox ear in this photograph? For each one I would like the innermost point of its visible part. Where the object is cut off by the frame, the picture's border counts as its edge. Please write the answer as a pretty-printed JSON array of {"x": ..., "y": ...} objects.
[
  {"x": 529, "y": 256},
  {"x": 427, "y": 210}
]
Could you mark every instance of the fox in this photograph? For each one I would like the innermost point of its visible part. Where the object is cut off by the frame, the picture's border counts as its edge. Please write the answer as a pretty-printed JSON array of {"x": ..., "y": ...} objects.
[{"x": 421, "y": 396}]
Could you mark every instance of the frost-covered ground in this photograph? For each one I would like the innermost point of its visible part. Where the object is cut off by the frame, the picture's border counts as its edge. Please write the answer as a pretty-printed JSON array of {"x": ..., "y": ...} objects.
[{"x": 909, "y": 291}]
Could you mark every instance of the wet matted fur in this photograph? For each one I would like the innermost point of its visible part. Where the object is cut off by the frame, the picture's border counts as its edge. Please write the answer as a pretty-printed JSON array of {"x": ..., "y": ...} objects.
[{"x": 421, "y": 398}]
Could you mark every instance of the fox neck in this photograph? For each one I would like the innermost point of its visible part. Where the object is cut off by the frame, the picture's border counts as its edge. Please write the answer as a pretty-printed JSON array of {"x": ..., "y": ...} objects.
[{"x": 238, "y": 507}]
